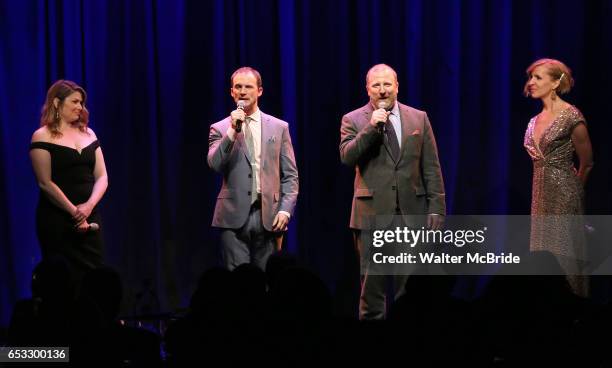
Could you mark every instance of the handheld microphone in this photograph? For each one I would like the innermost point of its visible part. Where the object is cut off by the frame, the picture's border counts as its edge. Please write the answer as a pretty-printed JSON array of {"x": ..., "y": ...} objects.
[
  {"x": 93, "y": 227},
  {"x": 381, "y": 124},
  {"x": 240, "y": 106}
]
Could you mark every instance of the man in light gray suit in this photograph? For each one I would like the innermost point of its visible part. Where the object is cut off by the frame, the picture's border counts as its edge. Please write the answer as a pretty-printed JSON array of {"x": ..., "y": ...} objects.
[
  {"x": 397, "y": 172},
  {"x": 254, "y": 153}
]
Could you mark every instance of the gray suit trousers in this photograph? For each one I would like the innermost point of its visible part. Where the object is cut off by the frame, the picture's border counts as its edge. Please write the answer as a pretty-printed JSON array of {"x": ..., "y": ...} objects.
[{"x": 251, "y": 243}]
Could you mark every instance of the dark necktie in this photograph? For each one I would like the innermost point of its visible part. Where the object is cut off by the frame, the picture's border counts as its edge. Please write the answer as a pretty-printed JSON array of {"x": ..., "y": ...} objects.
[{"x": 392, "y": 139}]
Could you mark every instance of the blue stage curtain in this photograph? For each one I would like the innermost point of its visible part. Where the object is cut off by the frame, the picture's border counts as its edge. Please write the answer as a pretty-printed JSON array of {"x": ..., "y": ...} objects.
[{"x": 157, "y": 74}]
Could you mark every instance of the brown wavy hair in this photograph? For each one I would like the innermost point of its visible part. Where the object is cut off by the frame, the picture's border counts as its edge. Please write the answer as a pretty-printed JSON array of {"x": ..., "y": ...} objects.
[
  {"x": 557, "y": 71},
  {"x": 49, "y": 116}
]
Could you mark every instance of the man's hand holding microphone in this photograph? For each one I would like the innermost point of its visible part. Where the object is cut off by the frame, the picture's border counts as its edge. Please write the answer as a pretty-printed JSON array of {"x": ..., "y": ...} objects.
[
  {"x": 238, "y": 116},
  {"x": 380, "y": 116}
]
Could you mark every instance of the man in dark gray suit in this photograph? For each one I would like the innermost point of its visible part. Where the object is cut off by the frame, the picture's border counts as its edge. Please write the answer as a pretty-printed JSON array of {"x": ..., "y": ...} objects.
[
  {"x": 254, "y": 153},
  {"x": 397, "y": 172}
]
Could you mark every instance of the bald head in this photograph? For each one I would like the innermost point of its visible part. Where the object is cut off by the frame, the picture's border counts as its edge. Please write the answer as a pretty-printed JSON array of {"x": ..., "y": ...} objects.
[{"x": 378, "y": 68}]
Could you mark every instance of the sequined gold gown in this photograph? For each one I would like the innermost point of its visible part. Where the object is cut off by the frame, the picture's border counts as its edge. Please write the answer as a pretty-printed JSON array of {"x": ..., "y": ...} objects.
[{"x": 557, "y": 197}]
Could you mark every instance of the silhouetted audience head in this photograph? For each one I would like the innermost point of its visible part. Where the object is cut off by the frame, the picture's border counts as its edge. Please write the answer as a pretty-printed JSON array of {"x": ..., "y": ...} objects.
[
  {"x": 52, "y": 279},
  {"x": 300, "y": 294},
  {"x": 213, "y": 290},
  {"x": 102, "y": 287},
  {"x": 433, "y": 287},
  {"x": 277, "y": 263},
  {"x": 249, "y": 280},
  {"x": 539, "y": 277}
]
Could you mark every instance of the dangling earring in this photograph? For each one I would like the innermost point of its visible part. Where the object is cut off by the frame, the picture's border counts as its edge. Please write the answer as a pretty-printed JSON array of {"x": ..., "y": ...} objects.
[{"x": 57, "y": 114}]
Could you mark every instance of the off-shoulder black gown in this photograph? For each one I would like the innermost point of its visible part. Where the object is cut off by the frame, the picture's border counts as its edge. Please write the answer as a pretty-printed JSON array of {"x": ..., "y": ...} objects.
[{"x": 73, "y": 173}]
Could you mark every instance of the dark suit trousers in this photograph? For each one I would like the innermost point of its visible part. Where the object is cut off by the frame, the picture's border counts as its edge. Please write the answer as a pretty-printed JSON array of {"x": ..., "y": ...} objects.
[
  {"x": 373, "y": 298},
  {"x": 251, "y": 243}
]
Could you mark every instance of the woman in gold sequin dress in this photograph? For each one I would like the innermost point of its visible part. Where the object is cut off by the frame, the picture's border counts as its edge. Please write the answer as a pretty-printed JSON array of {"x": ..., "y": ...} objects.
[{"x": 551, "y": 139}]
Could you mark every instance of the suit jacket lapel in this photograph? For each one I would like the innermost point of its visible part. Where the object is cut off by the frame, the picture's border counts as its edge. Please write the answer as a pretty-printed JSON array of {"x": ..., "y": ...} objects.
[
  {"x": 266, "y": 133},
  {"x": 243, "y": 146},
  {"x": 405, "y": 121}
]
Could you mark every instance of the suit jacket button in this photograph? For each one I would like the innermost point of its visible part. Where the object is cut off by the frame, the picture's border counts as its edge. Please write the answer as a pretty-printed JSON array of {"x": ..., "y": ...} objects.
[
  {"x": 250, "y": 176},
  {"x": 393, "y": 187},
  {"x": 249, "y": 193}
]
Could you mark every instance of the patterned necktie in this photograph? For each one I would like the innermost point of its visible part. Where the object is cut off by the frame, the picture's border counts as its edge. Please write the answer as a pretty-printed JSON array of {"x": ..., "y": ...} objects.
[
  {"x": 248, "y": 138},
  {"x": 392, "y": 139}
]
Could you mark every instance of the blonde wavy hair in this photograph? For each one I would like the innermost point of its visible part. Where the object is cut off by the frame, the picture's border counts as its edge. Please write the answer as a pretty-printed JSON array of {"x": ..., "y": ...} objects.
[{"x": 557, "y": 71}]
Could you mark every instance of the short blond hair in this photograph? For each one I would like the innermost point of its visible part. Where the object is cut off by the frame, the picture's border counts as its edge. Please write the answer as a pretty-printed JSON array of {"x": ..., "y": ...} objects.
[{"x": 557, "y": 71}]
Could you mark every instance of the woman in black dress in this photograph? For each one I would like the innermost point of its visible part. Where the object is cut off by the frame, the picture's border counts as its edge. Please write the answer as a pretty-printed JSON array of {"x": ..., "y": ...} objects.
[{"x": 69, "y": 167}]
